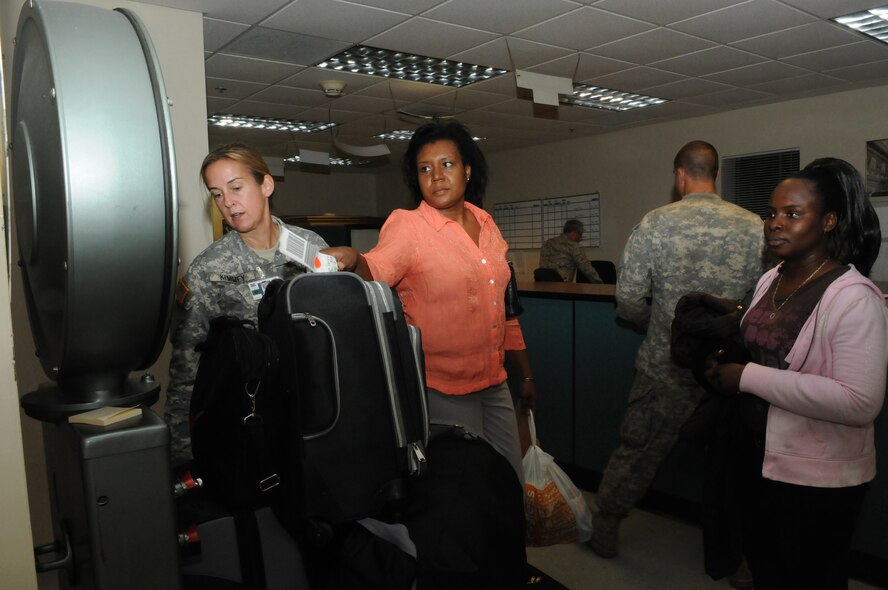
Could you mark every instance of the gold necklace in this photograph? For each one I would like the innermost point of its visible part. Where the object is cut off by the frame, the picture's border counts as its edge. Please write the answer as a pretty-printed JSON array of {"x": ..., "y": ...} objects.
[{"x": 774, "y": 305}]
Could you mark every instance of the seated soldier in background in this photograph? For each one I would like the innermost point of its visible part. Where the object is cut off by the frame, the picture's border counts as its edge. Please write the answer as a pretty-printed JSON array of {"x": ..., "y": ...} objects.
[{"x": 565, "y": 255}]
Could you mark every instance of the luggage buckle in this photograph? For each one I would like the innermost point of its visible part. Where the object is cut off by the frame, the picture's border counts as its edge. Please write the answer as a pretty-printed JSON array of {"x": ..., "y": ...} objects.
[
  {"x": 269, "y": 482},
  {"x": 417, "y": 458}
]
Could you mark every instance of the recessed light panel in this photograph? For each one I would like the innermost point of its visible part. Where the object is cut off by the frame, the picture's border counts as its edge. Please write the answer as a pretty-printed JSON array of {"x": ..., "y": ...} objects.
[
  {"x": 406, "y": 134},
  {"x": 245, "y": 122},
  {"x": 361, "y": 59},
  {"x": 872, "y": 22},
  {"x": 610, "y": 100},
  {"x": 396, "y": 134},
  {"x": 333, "y": 161}
]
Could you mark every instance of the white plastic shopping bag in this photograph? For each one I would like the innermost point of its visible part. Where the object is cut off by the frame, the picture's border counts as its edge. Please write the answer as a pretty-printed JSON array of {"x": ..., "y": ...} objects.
[{"x": 555, "y": 508}]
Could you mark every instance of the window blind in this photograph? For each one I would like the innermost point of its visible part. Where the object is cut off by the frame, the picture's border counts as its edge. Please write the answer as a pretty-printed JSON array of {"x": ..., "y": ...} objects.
[{"x": 749, "y": 180}]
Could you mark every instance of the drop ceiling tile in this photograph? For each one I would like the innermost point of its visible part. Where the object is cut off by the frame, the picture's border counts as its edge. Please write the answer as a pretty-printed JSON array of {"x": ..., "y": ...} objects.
[
  {"x": 266, "y": 109},
  {"x": 575, "y": 114},
  {"x": 684, "y": 89},
  {"x": 420, "y": 111},
  {"x": 311, "y": 78},
  {"x": 708, "y": 61},
  {"x": 862, "y": 73},
  {"x": 741, "y": 21},
  {"x": 732, "y": 97},
  {"x": 841, "y": 57},
  {"x": 504, "y": 84},
  {"x": 627, "y": 117},
  {"x": 483, "y": 117},
  {"x": 333, "y": 19},
  {"x": 798, "y": 85},
  {"x": 653, "y": 45},
  {"x": 248, "y": 69},
  {"x": 512, "y": 53},
  {"x": 292, "y": 96},
  {"x": 222, "y": 88},
  {"x": 217, "y": 104},
  {"x": 254, "y": 137},
  {"x": 329, "y": 113},
  {"x": 581, "y": 66},
  {"x": 217, "y": 33},
  {"x": 802, "y": 39},
  {"x": 465, "y": 100},
  {"x": 663, "y": 12},
  {"x": 493, "y": 16},
  {"x": 363, "y": 104},
  {"x": 833, "y": 8},
  {"x": 406, "y": 6},
  {"x": 284, "y": 46},
  {"x": 633, "y": 80},
  {"x": 517, "y": 106},
  {"x": 430, "y": 38},
  {"x": 584, "y": 27},
  {"x": 757, "y": 74},
  {"x": 405, "y": 91},
  {"x": 679, "y": 109},
  {"x": 230, "y": 10}
]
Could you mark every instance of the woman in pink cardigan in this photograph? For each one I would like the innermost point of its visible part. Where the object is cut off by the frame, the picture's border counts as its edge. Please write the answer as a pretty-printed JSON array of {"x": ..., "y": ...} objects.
[{"x": 817, "y": 335}]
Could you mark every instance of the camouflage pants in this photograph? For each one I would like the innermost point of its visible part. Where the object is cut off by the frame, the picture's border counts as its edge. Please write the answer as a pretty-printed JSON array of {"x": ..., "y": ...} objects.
[{"x": 648, "y": 432}]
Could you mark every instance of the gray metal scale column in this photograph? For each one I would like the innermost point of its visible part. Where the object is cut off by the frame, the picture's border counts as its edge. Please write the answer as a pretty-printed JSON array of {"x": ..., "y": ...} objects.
[
  {"x": 94, "y": 199},
  {"x": 94, "y": 195}
]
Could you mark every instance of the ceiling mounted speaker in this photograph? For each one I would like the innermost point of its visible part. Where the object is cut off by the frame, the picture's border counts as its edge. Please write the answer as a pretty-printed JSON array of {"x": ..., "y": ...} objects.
[{"x": 94, "y": 197}]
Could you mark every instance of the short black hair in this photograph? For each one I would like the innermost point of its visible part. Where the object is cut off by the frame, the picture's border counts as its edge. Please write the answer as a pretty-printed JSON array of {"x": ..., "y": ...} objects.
[
  {"x": 469, "y": 152},
  {"x": 857, "y": 236},
  {"x": 699, "y": 159},
  {"x": 572, "y": 225}
]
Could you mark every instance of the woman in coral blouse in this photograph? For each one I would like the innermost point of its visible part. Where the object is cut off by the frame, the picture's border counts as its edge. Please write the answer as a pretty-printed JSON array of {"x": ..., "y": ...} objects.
[
  {"x": 447, "y": 261},
  {"x": 817, "y": 334}
]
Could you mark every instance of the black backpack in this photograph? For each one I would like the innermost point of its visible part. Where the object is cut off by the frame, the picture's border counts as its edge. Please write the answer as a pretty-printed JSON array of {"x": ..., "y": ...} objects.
[{"x": 235, "y": 415}]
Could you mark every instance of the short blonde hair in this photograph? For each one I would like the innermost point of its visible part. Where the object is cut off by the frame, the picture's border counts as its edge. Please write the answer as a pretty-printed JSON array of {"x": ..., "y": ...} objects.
[{"x": 239, "y": 153}]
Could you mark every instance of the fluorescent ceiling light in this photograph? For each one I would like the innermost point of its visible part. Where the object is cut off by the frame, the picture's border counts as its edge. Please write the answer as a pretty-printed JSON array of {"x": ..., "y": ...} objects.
[
  {"x": 872, "y": 22},
  {"x": 333, "y": 161},
  {"x": 610, "y": 100},
  {"x": 245, "y": 122},
  {"x": 361, "y": 59},
  {"x": 406, "y": 134},
  {"x": 396, "y": 134}
]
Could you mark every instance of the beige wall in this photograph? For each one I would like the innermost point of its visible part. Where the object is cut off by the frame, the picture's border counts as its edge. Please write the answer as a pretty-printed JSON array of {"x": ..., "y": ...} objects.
[
  {"x": 340, "y": 192},
  {"x": 16, "y": 541},
  {"x": 178, "y": 41},
  {"x": 632, "y": 169}
]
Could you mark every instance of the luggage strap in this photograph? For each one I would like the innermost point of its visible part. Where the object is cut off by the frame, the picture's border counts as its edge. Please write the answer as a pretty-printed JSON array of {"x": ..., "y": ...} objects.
[
  {"x": 249, "y": 550},
  {"x": 269, "y": 478}
]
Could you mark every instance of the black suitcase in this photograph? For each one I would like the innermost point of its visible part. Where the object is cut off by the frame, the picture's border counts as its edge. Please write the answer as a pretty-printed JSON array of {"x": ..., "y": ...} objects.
[{"x": 352, "y": 372}]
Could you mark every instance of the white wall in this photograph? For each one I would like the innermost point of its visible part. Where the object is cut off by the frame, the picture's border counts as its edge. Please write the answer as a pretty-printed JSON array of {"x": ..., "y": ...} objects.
[
  {"x": 632, "y": 169},
  {"x": 178, "y": 41}
]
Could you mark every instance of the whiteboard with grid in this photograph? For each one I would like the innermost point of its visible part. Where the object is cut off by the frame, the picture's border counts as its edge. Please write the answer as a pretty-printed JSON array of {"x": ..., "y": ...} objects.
[{"x": 527, "y": 224}]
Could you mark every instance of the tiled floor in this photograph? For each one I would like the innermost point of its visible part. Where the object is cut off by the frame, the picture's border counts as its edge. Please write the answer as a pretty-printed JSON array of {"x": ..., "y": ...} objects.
[{"x": 656, "y": 552}]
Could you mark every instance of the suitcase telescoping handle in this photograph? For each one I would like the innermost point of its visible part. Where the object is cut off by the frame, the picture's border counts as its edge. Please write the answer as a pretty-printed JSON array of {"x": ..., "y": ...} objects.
[{"x": 316, "y": 323}]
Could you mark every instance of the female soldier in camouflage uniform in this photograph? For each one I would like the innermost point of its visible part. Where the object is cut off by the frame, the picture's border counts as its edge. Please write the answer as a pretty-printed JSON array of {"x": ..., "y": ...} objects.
[{"x": 229, "y": 277}]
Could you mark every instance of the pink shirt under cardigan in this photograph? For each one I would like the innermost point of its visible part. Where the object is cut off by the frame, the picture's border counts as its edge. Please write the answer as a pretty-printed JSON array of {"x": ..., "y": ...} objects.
[
  {"x": 453, "y": 290},
  {"x": 820, "y": 423}
]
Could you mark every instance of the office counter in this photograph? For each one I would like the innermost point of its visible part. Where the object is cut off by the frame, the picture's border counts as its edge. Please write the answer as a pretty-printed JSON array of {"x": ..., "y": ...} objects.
[{"x": 583, "y": 361}]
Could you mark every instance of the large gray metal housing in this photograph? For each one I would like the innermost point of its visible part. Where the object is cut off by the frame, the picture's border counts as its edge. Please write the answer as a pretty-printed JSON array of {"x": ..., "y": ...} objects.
[{"x": 94, "y": 191}]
